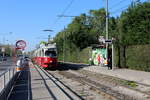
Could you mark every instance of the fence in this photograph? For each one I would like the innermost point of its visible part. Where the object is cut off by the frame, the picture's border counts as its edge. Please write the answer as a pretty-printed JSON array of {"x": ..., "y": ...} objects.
[{"x": 6, "y": 80}]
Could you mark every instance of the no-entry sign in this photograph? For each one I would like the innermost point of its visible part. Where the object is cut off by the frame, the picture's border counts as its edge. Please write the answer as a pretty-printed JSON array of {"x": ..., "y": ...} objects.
[{"x": 20, "y": 44}]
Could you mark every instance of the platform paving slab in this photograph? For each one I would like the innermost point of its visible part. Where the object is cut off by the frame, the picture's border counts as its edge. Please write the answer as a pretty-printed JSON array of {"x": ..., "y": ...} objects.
[{"x": 33, "y": 84}]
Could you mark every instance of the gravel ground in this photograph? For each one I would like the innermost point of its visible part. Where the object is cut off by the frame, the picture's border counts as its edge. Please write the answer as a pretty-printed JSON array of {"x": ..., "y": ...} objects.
[
  {"x": 135, "y": 91},
  {"x": 82, "y": 89},
  {"x": 112, "y": 86}
]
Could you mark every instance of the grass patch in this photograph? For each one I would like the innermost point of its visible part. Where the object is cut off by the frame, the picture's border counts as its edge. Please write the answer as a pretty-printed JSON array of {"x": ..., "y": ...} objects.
[{"x": 129, "y": 83}]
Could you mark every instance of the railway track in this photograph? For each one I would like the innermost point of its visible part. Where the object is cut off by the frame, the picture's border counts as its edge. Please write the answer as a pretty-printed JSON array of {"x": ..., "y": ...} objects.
[
  {"x": 73, "y": 84},
  {"x": 73, "y": 89},
  {"x": 91, "y": 82},
  {"x": 112, "y": 87},
  {"x": 88, "y": 83},
  {"x": 97, "y": 87},
  {"x": 64, "y": 90},
  {"x": 128, "y": 89}
]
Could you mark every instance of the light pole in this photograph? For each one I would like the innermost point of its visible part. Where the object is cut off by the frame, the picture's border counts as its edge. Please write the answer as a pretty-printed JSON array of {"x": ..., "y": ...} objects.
[
  {"x": 64, "y": 47},
  {"x": 3, "y": 38},
  {"x": 49, "y": 36},
  {"x": 3, "y": 48},
  {"x": 107, "y": 30}
]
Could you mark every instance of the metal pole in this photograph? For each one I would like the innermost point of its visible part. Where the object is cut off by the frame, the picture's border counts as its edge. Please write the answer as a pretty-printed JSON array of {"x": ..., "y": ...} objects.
[
  {"x": 3, "y": 40},
  {"x": 13, "y": 71},
  {"x": 29, "y": 98},
  {"x": 4, "y": 80},
  {"x": 48, "y": 30},
  {"x": 107, "y": 29},
  {"x": 9, "y": 74},
  {"x": 64, "y": 48},
  {"x": 49, "y": 37},
  {"x": 3, "y": 56},
  {"x": 112, "y": 56}
]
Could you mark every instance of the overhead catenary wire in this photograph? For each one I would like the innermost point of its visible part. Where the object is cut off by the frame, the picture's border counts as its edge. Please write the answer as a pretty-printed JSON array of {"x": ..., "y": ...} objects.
[
  {"x": 117, "y": 12},
  {"x": 115, "y": 5},
  {"x": 68, "y": 6},
  {"x": 146, "y": 1},
  {"x": 64, "y": 11},
  {"x": 122, "y": 8},
  {"x": 119, "y": 9}
]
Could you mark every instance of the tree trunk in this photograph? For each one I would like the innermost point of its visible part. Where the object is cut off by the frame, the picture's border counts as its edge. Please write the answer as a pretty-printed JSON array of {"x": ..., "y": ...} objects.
[
  {"x": 123, "y": 56},
  {"x": 118, "y": 64}
]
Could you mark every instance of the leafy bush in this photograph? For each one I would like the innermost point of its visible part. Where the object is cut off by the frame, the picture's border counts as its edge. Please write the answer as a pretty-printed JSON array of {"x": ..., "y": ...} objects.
[{"x": 138, "y": 57}]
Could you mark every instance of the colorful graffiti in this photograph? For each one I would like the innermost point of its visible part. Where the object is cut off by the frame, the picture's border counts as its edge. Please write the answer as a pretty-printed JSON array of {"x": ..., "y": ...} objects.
[{"x": 99, "y": 56}]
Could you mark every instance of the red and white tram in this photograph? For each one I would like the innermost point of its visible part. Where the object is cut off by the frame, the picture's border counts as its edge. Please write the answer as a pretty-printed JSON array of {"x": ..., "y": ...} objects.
[{"x": 46, "y": 56}]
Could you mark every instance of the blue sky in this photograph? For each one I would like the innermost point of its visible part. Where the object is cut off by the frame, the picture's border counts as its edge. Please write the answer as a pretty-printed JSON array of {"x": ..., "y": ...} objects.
[{"x": 27, "y": 18}]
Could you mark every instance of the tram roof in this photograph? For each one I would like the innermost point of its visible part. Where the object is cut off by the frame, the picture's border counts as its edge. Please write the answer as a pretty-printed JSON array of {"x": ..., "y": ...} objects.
[{"x": 48, "y": 46}]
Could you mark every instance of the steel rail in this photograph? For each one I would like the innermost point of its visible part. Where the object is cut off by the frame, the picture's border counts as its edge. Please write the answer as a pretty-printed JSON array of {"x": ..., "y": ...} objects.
[{"x": 50, "y": 76}]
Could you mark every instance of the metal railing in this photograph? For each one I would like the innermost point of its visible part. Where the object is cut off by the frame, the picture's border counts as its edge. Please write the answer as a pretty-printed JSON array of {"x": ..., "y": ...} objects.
[{"x": 5, "y": 78}]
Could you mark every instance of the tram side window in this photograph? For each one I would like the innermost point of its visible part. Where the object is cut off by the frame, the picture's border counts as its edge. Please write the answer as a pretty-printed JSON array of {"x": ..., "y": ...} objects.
[{"x": 50, "y": 53}]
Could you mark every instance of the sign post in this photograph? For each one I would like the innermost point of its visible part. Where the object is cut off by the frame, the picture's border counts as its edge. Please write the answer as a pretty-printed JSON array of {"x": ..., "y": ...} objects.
[
  {"x": 112, "y": 52},
  {"x": 20, "y": 45},
  {"x": 109, "y": 41},
  {"x": 3, "y": 51}
]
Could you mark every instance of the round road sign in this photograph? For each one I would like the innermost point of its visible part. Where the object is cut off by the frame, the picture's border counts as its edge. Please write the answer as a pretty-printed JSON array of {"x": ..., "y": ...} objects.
[{"x": 20, "y": 44}]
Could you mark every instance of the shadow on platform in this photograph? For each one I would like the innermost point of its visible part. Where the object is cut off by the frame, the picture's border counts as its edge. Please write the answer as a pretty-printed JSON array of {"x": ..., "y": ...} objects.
[
  {"x": 68, "y": 66},
  {"x": 21, "y": 89}
]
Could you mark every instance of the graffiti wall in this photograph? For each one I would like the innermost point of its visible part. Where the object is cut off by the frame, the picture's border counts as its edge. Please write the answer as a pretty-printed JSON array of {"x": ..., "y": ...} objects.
[{"x": 99, "y": 56}]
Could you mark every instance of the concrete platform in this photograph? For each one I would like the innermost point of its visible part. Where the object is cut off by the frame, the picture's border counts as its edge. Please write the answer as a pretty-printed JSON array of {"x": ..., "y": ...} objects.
[
  {"x": 127, "y": 74},
  {"x": 34, "y": 84}
]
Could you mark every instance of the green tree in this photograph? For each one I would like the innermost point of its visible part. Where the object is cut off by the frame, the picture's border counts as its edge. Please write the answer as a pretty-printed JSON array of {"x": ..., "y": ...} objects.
[
  {"x": 43, "y": 42},
  {"x": 134, "y": 27}
]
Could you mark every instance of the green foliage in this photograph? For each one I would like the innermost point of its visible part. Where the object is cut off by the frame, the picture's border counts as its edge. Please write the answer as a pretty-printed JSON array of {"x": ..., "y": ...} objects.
[
  {"x": 133, "y": 28},
  {"x": 8, "y": 50},
  {"x": 138, "y": 57},
  {"x": 97, "y": 20},
  {"x": 84, "y": 30},
  {"x": 131, "y": 84},
  {"x": 43, "y": 42},
  {"x": 76, "y": 55},
  {"x": 130, "y": 29},
  {"x": 134, "y": 25}
]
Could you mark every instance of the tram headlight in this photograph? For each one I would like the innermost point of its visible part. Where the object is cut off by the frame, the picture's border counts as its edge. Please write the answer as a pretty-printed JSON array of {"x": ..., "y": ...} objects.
[{"x": 51, "y": 61}]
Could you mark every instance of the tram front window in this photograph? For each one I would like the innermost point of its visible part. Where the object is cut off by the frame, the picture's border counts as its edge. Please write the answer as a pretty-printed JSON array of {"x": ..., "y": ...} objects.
[{"x": 50, "y": 53}]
